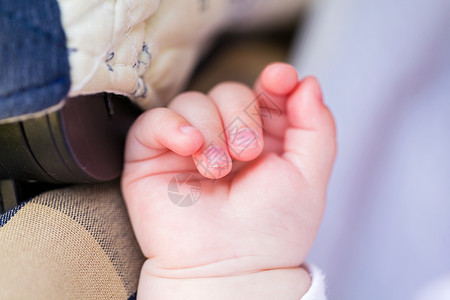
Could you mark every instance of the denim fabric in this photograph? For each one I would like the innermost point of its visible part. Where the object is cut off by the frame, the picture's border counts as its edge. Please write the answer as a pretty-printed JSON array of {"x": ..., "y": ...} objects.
[
  {"x": 34, "y": 67},
  {"x": 5, "y": 217},
  {"x": 133, "y": 297}
]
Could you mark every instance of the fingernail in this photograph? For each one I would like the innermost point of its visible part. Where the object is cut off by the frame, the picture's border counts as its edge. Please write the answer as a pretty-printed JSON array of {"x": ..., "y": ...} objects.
[
  {"x": 245, "y": 138},
  {"x": 187, "y": 129},
  {"x": 216, "y": 157}
]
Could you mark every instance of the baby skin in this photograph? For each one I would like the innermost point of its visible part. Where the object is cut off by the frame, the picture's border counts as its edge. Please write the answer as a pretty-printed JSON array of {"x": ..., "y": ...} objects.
[{"x": 226, "y": 190}]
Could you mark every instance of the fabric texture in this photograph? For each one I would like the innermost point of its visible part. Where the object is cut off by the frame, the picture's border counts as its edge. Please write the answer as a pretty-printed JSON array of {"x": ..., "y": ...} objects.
[
  {"x": 317, "y": 289},
  {"x": 72, "y": 243},
  {"x": 146, "y": 49},
  {"x": 35, "y": 70},
  {"x": 143, "y": 49}
]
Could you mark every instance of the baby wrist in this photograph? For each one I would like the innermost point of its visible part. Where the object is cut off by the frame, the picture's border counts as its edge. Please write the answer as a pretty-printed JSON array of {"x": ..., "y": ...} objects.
[{"x": 289, "y": 284}]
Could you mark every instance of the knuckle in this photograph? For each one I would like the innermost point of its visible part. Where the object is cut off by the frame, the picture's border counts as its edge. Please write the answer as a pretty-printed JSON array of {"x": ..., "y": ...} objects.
[
  {"x": 186, "y": 96},
  {"x": 226, "y": 88}
]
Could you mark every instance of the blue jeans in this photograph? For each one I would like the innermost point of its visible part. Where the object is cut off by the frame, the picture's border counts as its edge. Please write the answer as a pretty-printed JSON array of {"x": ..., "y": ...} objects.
[{"x": 34, "y": 67}]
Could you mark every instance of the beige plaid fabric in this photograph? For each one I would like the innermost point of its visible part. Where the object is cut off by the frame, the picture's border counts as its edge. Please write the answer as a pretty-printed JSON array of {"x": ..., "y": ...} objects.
[{"x": 72, "y": 243}]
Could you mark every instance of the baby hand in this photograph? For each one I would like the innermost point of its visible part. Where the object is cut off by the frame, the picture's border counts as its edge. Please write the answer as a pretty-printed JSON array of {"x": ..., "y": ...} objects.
[{"x": 226, "y": 191}]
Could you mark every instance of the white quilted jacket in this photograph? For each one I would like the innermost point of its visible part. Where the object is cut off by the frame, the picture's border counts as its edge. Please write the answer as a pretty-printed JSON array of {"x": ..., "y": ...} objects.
[{"x": 146, "y": 49}]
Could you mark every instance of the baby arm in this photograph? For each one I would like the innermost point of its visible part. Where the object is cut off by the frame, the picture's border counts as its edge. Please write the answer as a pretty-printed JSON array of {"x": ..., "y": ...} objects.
[{"x": 255, "y": 165}]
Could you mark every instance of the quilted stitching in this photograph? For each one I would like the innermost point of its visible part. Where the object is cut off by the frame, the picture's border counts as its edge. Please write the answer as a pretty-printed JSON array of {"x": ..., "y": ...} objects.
[{"x": 147, "y": 48}]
